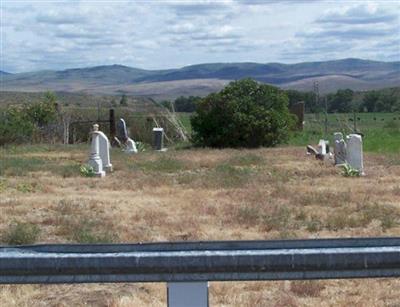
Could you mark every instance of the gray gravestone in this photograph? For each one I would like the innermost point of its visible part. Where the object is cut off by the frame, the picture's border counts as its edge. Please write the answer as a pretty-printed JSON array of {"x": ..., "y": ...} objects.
[
  {"x": 354, "y": 155},
  {"x": 339, "y": 149},
  {"x": 340, "y": 152},
  {"x": 158, "y": 139},
  {"x": 122, "y": 132}
]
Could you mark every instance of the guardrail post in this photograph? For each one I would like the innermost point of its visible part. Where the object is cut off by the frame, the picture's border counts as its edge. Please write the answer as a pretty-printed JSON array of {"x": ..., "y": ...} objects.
[{"x": 184, "y": 294}]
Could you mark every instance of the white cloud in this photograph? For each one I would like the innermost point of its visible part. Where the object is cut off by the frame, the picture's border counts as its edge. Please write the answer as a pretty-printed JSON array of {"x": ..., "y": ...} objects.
[{"x": 151, "y": 34}]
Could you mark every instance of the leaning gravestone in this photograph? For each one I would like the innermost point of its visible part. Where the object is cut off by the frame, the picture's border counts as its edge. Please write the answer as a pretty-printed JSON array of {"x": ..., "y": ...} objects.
[
  {"x": 354, "y": 155},
  {"x": 122, "y": 131},
  {"x": 340, "y": 148},
  {"x": 104, "y": 151},
  {"x": 94, "y": 159},
  {"x": 123, "y": 136}
]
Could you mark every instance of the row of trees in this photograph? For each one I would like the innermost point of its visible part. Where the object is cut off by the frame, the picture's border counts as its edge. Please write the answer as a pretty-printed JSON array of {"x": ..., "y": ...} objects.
[
  {"x": 346, "y": 100},
  {"x": 343, "y": 101}
]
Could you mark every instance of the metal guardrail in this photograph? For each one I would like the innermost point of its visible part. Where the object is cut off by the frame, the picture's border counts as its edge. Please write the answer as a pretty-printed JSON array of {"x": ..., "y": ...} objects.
[{"x": 201, "y": 261}]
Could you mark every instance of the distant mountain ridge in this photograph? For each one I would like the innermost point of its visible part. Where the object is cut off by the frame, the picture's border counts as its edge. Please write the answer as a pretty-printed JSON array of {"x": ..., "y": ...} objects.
[{"x": 202, "y": 79}]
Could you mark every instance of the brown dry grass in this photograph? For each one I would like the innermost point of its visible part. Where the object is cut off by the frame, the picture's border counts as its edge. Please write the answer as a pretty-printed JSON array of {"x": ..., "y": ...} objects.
[{"x": 201, "y": 194}]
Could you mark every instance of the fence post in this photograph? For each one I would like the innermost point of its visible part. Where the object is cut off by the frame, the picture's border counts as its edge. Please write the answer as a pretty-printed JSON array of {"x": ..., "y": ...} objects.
[
  {"x": 183, "y": 294},
  {"x": 112, "y": 124}
]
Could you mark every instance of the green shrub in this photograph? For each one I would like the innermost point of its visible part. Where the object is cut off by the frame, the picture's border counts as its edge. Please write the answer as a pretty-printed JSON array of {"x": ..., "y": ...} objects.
[
  {"x": 18, "y": 124},
  {"x": 87, "y": 171},
  {"x": 21, "y": 233},
  {"x": 243, "y": 114},
  {"x": 349, "y": 171}
]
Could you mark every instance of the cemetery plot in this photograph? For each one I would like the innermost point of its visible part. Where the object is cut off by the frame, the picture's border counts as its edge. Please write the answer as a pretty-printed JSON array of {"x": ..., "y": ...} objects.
[
  {"x": 196, "y": 194},
  {"x": 380, "y": 130}
]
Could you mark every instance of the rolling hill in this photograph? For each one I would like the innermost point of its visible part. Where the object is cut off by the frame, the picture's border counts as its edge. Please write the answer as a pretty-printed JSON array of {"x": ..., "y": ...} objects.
[{"x": 202, "y": 79}]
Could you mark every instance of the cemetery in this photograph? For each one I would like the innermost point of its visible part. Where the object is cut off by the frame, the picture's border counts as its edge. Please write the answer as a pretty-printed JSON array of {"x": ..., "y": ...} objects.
[
  {"x": 198, "y": 194},
  {"x": 158, "y": 183}
]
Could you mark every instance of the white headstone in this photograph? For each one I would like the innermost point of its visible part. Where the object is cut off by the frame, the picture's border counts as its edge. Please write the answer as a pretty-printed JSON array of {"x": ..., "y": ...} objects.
[
  {"x": 354, "y": 155},
  {"x": 94, "y": 159},
  {"x": 130, "y": 146},
  {"x": 104, "y": 151},
  {"x": 322, "y": 147}
]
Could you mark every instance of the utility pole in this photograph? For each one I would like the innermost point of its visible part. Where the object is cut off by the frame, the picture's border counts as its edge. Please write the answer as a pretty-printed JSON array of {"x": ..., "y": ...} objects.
[
  {"x": 316, "y": 94},
  {"x": 326, "y": 116},
  {"x": 98, "y": 110}
]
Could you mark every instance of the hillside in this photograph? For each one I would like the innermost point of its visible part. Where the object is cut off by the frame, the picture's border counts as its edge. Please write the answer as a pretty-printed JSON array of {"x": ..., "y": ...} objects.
[
  {"x": 202, "y": 79},
  {"x": 137, "y": 104}
]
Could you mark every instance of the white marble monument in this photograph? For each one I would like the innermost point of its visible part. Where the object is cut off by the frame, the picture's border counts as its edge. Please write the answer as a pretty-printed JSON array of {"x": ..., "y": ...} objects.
[
  {"x": 94, "y": 159},
  {"x": 104, "y": 151},
  {"x": 354, "y": 155}
]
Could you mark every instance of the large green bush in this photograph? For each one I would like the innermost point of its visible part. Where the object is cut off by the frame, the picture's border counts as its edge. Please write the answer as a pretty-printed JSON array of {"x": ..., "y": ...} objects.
[
  {"x": 18, "y": 123},
  {"x": 244, "y": 114}
]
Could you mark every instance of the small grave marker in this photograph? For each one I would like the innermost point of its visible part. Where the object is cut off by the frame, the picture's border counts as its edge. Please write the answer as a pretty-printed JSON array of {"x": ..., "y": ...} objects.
[{"x": 158, "y": 139}]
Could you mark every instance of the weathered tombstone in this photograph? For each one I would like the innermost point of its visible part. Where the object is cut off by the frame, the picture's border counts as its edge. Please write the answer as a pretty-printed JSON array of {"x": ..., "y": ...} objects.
[
  {"x": 94, "y": 159},
  {"x": 158, "y": 139},
  {"x": 354, "y": 155},
  {"x": 341, "y": 152},
  {"x": 122, "y": 132},
  {"x": 339, "y": 149},
  {"x": 298, "y": 110},
  {"x": 123, "y": 136},
  {"x": 104, "y": 151}
]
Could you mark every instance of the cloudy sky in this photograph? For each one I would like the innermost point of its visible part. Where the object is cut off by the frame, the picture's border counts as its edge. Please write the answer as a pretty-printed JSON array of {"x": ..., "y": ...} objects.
[{"x": 37, "y": 35}]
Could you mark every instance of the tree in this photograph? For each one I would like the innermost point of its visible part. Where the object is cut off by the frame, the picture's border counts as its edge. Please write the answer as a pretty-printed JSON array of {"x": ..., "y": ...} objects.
[
  {"x": 385, "y": 103},
  {"x": 311, "y": 105},
  {"x": 244, "y": 114},
  {"x": 341, "y": 102},
  {"x": 44, "y": 112},
  {"x": 370, "y": 100},
  {"x": 123, "y": 101},
  {"x": 182, "y": 104}
]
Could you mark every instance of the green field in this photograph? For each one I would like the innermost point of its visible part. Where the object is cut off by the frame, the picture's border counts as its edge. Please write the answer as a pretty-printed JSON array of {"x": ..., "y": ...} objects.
[{"x": 381, "y": 131}]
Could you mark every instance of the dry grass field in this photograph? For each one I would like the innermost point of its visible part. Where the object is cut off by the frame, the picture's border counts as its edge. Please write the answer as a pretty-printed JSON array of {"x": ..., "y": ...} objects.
[{"x": 197, "y": 194}]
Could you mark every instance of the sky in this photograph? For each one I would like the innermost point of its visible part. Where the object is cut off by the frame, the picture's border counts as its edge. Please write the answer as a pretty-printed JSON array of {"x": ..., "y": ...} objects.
[{"x": 148, "y": 34}]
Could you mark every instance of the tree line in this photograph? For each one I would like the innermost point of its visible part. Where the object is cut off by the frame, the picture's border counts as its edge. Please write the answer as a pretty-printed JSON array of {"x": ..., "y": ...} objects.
[{"x": 342, "y": 101}]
